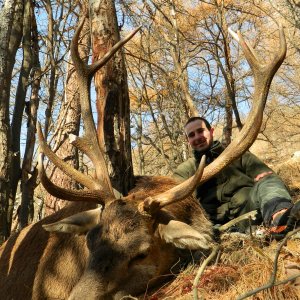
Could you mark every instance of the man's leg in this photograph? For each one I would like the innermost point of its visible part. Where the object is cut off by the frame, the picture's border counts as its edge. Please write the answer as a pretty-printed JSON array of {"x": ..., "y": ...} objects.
[
  {"x": 274, "y": 205},
  {"x": 272, "y": 197}
]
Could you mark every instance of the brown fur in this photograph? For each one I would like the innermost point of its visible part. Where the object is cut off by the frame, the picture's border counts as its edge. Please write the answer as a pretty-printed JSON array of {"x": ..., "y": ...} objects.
[{"x": 39, "y": 265}]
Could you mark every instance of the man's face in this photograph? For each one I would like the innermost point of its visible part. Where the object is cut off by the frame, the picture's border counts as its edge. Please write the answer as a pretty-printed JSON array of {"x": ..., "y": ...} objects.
[{"x": 199, "y": 137}]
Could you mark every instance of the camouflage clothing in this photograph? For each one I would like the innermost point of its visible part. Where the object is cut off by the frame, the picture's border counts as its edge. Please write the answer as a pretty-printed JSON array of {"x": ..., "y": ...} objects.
[{"x": 233, "y": 191}]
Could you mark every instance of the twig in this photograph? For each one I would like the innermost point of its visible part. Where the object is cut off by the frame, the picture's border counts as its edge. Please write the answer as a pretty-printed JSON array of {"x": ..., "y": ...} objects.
[
  {"x": 201, "y": 270},
  {"x": 218, "y": 257},
  {"x": 273, "y": 276},
  {"x": 251, "y": 214},
  {"x": 264, "y": 287},
  {"x": 250, "y": 228}
]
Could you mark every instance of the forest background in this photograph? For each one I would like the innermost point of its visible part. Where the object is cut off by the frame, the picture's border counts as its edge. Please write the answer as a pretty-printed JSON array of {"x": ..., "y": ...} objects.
[{"x": 182, "y": 62}]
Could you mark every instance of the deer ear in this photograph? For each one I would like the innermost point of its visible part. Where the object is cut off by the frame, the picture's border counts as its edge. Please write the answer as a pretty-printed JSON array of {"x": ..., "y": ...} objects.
[
  {"x": 79, "y": 223},
  {"x": 182, "y": 235}
]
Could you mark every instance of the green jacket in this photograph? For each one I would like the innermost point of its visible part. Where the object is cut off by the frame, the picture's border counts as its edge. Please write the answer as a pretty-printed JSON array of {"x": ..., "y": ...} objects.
[{"x": 225, "y": 195}]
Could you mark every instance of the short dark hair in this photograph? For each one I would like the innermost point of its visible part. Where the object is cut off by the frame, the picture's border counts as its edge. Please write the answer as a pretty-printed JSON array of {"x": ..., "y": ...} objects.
[{"x": 192, "y": 119}]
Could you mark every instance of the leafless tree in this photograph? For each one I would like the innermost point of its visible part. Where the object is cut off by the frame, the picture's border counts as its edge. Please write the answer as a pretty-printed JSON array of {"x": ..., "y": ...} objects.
[{"x": 10, "y": 16}]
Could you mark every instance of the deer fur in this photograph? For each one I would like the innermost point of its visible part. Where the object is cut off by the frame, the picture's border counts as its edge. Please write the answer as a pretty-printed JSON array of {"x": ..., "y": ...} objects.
[{"x": 36, "y": 264}]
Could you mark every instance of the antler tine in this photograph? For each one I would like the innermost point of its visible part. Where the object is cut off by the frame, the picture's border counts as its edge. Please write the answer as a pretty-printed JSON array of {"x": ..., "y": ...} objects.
[
  {"x": 238, "y": 37},
  {"x": 267, "y": 71},
  {"x": 281, "y": 54},
  {"x": 179, "y": 192},
  {"x": 233, "y": 34},
  {"x": 95, "y": 196},
  {"x": 66, "y": 168},
  {"x": 263, "y": 75},
  {"x": 77, "y": 61}
]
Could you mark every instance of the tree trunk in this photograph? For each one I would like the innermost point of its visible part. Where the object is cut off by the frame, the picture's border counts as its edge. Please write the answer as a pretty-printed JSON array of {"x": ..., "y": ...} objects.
[
  {"x": 112, "y": 96},
  {"x": 20, "y": 104},
  {"x": 28, "y": 177},
  {"x": 52, "y": 77},
  {"x": 139, "y": 133},
  {"x": 6, "y": 59}
]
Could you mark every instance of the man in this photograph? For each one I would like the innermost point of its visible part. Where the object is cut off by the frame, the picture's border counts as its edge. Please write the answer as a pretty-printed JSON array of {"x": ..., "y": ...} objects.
[{"x": 245, "y": 185}]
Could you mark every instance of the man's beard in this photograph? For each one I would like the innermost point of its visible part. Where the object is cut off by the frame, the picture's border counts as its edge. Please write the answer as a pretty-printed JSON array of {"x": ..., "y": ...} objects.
[{"x": 206, "y": 150}]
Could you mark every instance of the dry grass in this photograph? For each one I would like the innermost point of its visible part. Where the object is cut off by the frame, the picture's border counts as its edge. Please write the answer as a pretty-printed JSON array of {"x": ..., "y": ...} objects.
[
  {"x": 243, "y": 265},
  {"x": 289, "y": 171}
]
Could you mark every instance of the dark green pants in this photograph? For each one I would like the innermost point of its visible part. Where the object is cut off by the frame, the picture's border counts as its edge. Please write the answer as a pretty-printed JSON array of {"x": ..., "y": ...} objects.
[{"x": 267, "y": 197}]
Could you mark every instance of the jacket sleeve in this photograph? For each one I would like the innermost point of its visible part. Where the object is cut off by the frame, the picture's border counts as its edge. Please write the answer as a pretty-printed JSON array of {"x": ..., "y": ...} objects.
[
  {"x": 253, "y": 166},
  {"x": 185, "y": 170}
]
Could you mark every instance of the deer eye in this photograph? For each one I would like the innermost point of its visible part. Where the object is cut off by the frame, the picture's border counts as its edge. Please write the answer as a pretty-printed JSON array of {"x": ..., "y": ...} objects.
[
  {"x": 138, "y": 258},
  {"x": 141, "y": 256}
]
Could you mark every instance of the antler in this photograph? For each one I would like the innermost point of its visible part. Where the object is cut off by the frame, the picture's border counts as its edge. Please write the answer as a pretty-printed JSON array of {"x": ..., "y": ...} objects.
[
  {"x": 96, "y": 196},
  {"x": 175, "y": 194},
  {"x": 263, "y": 75},
  {"x": 89, "y": 142},
  {"x": 69, "y": 170}
]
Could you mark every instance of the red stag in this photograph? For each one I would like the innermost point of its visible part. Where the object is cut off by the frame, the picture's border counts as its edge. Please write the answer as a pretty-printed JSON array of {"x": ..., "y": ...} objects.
[{"x": 127, "y": 244}]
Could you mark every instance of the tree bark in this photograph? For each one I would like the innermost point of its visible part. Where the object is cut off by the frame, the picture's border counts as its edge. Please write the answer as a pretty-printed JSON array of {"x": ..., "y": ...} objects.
[
  {"x": 139, "y": 133},
  {"x": 20, "y": 104},
  {"x": 112, "y": 96},
  {"x": 7, "y": 58},
  {"x": 52, "y": 77},
  {"x": 29, "y": 176}
]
